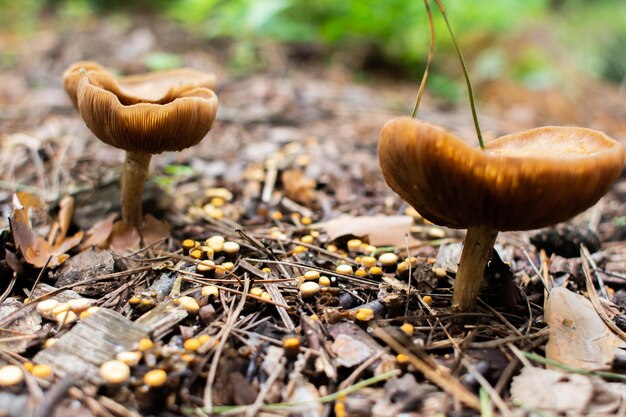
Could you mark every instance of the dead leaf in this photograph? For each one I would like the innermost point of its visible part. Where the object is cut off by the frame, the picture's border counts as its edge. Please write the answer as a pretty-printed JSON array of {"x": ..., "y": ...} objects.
[
  {"x": 350, "y": 351},
  {"x": 154, "y": 231},
  {"x": 568, "y": 394},
  {"x": 380, "y": 230},
  {"x": 307, "y": 394},
  {"x": 29, "y": 201},
  {"x": 35, "y": 249},
  {"x": 124, "y": 237},
  {"x": 99, "y": 233},
  {"x": 550, "y": 390},
  {"x": 298, "y": 187},
  {"x": 578, "y": 336},
  {"x": 65, "y": 217}
]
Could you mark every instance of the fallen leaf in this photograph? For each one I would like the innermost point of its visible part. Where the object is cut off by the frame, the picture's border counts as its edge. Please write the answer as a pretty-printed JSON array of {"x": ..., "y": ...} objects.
[
  {"x": 65, "y": 217},
  {"x": 552, "y": 391},
  {"x": 350, "y": 351},
  {"x": 379, "y": 230},
  {"x": 298, "y": 187},
  {"x": 154, "y": 231},
  {"x": 124, "y": 237},
  {"x": 35, "y": 249},
  {"x": 28, "y": 201},
  {"x": 98, "y": 234},
  {"x": 578, "y": 336}
]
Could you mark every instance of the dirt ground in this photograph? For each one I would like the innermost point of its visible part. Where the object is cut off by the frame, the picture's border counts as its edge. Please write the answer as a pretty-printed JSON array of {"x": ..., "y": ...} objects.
[{"x": 293, "y": 149}]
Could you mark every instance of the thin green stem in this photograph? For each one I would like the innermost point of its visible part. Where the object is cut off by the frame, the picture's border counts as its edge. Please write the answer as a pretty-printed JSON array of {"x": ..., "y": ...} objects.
[
  {"x": 431, "y": 53},
  {"x": 573, "y": 369},
  {"x": 486, "y": 408},
  {"x": 470, "y": 91}
]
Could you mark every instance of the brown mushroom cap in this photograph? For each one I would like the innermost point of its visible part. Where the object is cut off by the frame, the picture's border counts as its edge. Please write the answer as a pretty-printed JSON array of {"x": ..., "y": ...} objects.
[
  {"x": 146, "y": 127},
  {"x": 521, "y": 181},
  {"x": 157, "y": 87},
  {"x": 74, "y": 73}
]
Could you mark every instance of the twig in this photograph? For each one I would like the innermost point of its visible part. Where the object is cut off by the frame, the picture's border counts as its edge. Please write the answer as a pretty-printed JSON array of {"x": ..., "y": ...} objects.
[
  {"x": 445, "y": 381},
  {"x": 208, "y": 389},
  {"x": 593, "y": 295},
  {"x": 54, "y": 395},
  {"x": 431, "y": 53},
  {"x": 495, "y": 398},
  {"x": 253, "y": 409}
]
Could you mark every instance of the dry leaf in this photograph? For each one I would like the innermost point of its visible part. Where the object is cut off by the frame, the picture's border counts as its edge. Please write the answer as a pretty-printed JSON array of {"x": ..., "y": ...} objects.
[
  {"x": 28, "y": 201},
  {"x": 99, "y": 233},
  {"x": 380, "y": 230},
  {"x": 124, "y": 237},
  {"x": 298, "y": 187},
  {"x": 35, "y": 249},
  {"x": 578, "y": 336},
  {"x": 551, "y": 391},
  {"x": 65, "y": 217},
  {"x": 154, "y": 231}
]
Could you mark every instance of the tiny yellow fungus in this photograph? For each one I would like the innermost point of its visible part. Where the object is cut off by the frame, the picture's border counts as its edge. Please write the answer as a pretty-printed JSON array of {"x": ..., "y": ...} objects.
[
  {"x": 300, "y": 249},
  {"x": 155, "y": 378},
  {"x": 344, "y": 269},
  {"x": 145, "y": 344},
  {"x": 189, "y": 304},
  {"x": 192, "y": 344},
  {"x": 311, "y": 275},
  {"x": 130, "y": 358},
  {"x": 324, "y": 281},
  {"x": 10, "y": 375},
  {"x": 210, "y": 291},
  {"x": 114, "y": 372},
  {"x": 42, "y": 371},
  {"x": 407, "y": 328},
  {"x": 309, "y": 289}
]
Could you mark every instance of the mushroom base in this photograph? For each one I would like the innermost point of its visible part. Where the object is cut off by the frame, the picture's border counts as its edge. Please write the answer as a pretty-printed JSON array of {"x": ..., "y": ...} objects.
[
  {"x": 477, "y": 248},
  {"x": 133, "y": 180}
]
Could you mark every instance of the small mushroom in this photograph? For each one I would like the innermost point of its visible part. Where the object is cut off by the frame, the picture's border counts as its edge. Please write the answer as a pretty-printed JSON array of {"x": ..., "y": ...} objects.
[
  {"x": 521, "y": 181},
  {"x": 144, "y": 115}
]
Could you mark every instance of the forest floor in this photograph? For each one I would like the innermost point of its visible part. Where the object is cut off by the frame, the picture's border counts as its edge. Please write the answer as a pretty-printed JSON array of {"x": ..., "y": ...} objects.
[{"x": 290, "y": 173}]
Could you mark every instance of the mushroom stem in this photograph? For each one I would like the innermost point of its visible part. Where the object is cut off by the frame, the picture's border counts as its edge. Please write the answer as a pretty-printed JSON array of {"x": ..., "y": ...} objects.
[
  {"x": 133, "y": 180},
  {"x": 477, "y": 248}
]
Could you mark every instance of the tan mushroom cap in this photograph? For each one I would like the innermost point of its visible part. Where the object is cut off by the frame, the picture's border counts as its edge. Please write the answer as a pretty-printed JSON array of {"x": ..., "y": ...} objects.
[
  {"x": 157, "y": 87},
  {"x": 521, "y": 181},
  {"x": 146, "y": 127}
]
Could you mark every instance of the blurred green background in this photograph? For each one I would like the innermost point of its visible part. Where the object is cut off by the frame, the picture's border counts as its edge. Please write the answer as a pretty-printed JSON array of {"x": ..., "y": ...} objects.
[{"x": 529, "y": 42}]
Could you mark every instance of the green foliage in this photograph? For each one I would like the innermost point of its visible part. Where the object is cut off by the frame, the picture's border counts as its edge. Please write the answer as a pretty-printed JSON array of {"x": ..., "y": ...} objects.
[
  {"x": 162, "y": 61},
  {"x": 398, "y": 27},
  {"x": 388, "y": 31},
  {"x": 20, "y": 16},
  {"x": 174, "y": 174}
]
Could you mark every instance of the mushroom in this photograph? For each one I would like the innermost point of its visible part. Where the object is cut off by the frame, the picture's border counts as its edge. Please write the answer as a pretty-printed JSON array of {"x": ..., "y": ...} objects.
[
  {"x": 157, "y": 87},
  {"x": 522, "y": 181},
  {"x": 144, "y": 115}
]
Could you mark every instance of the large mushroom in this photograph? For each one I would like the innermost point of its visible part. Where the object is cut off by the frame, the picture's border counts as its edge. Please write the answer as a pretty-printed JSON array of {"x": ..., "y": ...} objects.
[
  {"x": 143, "y": 115},
  {"x": 521, "y": 181}
]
